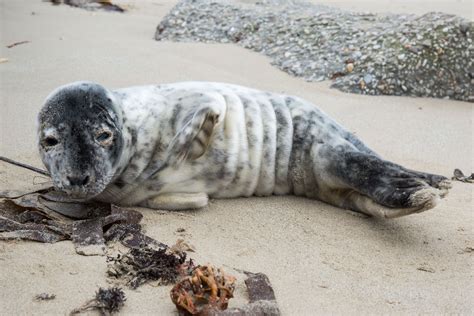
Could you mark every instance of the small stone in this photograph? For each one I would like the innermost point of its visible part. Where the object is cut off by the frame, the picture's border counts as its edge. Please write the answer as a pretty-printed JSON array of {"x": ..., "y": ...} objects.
[
  {"x": 464, "y": 27},
  {"x": 350, "y": 67},
  {"x": 426, "y": 43},
  {"x": 368, "y": 78}
]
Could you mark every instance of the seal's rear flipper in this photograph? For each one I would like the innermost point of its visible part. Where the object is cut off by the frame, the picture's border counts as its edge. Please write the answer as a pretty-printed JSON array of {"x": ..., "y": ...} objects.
[
  {"x": 422, "y": 200},
  {"x": 369, "y": 184}
]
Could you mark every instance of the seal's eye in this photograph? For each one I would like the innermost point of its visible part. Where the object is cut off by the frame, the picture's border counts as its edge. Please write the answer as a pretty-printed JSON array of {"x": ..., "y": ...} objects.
[
  {"x": 50, "y": 141},
  {"x": 104, "y": 137}
]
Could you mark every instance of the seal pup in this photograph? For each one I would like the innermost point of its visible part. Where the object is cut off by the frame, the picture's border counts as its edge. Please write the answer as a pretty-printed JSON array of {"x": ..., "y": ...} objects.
[{"x": 172, "y": 146}]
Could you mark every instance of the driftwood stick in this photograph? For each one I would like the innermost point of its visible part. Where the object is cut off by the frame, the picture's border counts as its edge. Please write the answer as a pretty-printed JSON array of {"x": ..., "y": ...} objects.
[{"x": 19, "y": 164}]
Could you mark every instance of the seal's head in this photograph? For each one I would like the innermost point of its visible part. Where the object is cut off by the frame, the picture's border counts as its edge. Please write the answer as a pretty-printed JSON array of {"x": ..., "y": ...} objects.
[{"x": 80, "y": 139}]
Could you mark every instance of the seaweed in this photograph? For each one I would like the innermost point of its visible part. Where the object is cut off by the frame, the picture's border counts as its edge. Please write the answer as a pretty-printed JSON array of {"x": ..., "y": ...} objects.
[
  {"x": 458, "y": 175},
  {"x": 45, "y": 297},
  {"x": 144, "y": 264},
  {"x": 208, "y": 289},
  {"x": 91, "y": 5},
  {"x": 107, "y": 301},
  {"x": 46, "y": 215}
]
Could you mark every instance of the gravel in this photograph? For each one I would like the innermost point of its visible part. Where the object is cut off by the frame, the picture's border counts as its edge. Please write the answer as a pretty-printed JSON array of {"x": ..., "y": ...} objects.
[{"x": 392, "y": 54}]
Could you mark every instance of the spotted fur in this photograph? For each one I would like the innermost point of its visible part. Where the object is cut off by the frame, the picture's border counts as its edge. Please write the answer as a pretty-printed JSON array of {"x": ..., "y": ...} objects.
[{"x": 176, "y": 144}]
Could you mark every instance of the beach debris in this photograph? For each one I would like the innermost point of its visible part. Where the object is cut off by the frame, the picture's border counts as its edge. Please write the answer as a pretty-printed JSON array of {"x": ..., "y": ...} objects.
[
  {"x": 198, "y": 290},
  {"x": 458, "y": 175},
  {"x": 466, "y": 250},
  {"x": 182, "y": 246},
  {"x": 3, "y": 60},
  {"x": 380, "y": 54},
  {"x": 36, "y": 215},
  {"x": 91, "y": 5},
  {"x": 49, "y": 232},
  {"x": 17, "y": 43},
  {"x": 45, "y": 297},
  {"x": 106, "y": 301},
  {"x": 207, "y": 290},
  {"x": 130, "y": 235},
  {"x": 46, "y": 215},
  {"x": 261, "y": 296},
  {"x": 426, "y": 268},
  {"x": 145, "y": 264},
  {"x": 24, "y": 165},
  {"x": 259, "y": 287},
  {"x": 88, "y": 235}
]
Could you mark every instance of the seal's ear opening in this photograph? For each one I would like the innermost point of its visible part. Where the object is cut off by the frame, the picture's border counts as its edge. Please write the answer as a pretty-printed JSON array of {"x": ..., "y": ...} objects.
[{"x": 193, "y": 140}]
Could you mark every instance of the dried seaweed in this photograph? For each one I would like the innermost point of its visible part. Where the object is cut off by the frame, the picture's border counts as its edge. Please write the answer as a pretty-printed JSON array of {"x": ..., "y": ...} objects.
[
  {"x": 91, "y": 5},
  {"x": 45, "y": 215},
  {"x": 10, "y": 230},
  {"x": 207, "y": 289},
  {"x": 144, "y": 264},
  {"x": 88, "y": 235},
  {"x": 458, "y": 175},
  {"x": 131, "y": 236},
  {"x": 107, "y": 301},
  {"x": 261, "y": 296},
  {"x": 45, "y": 297},
  {"x": 17, "y": 43}
]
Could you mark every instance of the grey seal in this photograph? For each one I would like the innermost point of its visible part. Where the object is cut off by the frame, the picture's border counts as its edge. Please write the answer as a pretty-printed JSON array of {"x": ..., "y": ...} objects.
[{"x": 172, "y": 146}]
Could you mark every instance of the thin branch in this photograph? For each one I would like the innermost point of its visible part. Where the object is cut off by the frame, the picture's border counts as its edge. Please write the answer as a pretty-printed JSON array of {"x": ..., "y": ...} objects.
[
  {"x": 17, "y": 43},
  {"x": 19, "y": 164}
]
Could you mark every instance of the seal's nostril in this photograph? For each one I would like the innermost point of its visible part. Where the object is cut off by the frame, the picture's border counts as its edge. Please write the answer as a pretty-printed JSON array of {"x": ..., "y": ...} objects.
[{"x": 79, "y": 181}]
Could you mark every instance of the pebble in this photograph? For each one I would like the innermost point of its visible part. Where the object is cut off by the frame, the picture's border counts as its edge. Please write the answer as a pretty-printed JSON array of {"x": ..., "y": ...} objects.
[
  {"x": 390, "y": 54},
  {"x": 368, "y": 78}
]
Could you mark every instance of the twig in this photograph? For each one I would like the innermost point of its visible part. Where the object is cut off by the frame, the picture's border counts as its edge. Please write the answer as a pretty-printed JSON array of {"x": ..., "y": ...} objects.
[
  {"x": 19, "y": 164},
  {"x": 17, "y": 43}
]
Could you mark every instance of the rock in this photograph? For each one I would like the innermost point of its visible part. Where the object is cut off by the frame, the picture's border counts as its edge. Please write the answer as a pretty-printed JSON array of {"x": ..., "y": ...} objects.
[
  {"x": 313, "y": 41},
  {"x": 368, "y": 78},
  {"x": 350, "y": 67}
]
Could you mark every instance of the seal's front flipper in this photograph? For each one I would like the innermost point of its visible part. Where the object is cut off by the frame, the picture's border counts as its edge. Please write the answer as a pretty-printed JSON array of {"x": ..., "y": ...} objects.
[
  {"x": 177, "y": 201},
  {"x": 195, "y": 136}
]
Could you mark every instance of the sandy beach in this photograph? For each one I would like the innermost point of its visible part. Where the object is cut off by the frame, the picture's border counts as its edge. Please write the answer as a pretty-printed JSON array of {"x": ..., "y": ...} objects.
[{"x": 320, "y": 259}]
